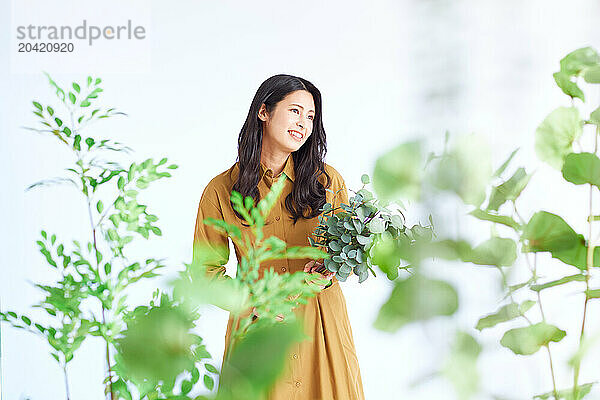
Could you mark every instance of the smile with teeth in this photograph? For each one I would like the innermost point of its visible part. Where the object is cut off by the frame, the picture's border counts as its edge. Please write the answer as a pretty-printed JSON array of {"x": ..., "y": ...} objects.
[{"x": 296, "y": 135}]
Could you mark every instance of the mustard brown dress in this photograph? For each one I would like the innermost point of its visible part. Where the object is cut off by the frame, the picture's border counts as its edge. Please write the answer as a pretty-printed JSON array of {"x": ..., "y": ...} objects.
[{"x": 325, "y": 367}]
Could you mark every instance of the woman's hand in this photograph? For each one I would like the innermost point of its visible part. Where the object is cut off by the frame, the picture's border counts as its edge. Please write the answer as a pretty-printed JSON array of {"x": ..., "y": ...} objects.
[
  {"x": 310, "y": 267},
  {"x": 315, "y": 266}
]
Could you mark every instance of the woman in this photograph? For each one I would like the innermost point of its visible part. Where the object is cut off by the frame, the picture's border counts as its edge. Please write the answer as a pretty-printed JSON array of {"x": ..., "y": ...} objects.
[{"x": 284, "y": 134}]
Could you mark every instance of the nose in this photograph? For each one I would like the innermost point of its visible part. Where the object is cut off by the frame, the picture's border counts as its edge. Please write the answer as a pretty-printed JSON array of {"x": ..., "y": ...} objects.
[{"x": 300, "y": 123}]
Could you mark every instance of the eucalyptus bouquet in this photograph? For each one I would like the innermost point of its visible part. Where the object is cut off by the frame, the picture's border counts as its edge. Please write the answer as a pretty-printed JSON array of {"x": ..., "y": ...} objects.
[{"x": 354, "y": 234}]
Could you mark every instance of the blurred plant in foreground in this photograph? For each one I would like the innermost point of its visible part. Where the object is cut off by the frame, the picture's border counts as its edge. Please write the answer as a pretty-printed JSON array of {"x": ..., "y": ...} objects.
[
  {"x": 257, "y": 347},
  {"x": 465, "y": 170}
]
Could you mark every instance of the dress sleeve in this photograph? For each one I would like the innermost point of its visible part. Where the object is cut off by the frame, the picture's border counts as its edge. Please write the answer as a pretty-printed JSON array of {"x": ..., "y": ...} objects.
[{"x": 211, "y": 247}]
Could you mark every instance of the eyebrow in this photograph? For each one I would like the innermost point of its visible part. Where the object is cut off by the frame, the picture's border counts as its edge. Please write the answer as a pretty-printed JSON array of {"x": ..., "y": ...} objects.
[{"x": 294, "y": 104}]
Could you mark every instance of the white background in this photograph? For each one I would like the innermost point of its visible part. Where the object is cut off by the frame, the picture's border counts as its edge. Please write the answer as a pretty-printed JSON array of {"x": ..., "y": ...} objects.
[{"x": 389, "y": 71}]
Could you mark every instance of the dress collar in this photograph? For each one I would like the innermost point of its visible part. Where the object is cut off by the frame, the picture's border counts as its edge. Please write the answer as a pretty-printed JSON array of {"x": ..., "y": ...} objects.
[{"x": 288, "y": 169}]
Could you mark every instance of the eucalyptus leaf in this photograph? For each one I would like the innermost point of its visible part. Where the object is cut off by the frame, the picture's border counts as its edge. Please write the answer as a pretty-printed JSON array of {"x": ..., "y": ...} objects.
[{"x": 376, "y": 225}]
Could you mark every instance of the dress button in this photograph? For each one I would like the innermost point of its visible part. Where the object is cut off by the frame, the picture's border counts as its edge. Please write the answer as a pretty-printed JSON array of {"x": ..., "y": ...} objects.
[
  {"x": 277, "y": 218},
  {"x": 296, "y": 356},
  {"x": 283, "y": 269},
  {"x": 297, "y": 384}
]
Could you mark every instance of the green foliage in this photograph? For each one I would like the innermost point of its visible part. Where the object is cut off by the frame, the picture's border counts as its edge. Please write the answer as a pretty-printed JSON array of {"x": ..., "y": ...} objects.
[
  {"x": 499, "y": 219},
  {"x": 88, "y": 297},
  {"x": 463, "y": 169},
  {"x": 509, "y": 190},
  {"x": 365, "y": 233},
  {"x": 581, "y": 168},
  {"x": 258, "y": 361},
  {"x": 259, "y": 341},
  {"x": 561, "y": 281},
  {"x": 158, "y": 346},
  {"x": 505, "y": 313},
  {"x": 495, "y": 251},
  {"x": 398, "y": 173},
  {"x": 417, "y": 298},
  {"x": 567, "y": 394},
  {"x": 195, "y": 287},
  {"x": 581, "y": 62},
  {"x": 273, "y": 293},
  {"x": 529, "y": 339},
  {"x": 555, "y": 136},
  {"x": 460, "y": 366}
]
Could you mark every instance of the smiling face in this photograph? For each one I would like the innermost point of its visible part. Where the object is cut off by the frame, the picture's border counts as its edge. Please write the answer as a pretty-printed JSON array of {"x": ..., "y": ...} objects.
[{"x": 290, "y": 123}]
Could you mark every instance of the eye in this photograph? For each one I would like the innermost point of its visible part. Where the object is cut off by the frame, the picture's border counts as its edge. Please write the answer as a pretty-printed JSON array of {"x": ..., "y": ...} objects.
[
  {"x": 296, "y": 110},
  {"x": 311, "y": 117}
]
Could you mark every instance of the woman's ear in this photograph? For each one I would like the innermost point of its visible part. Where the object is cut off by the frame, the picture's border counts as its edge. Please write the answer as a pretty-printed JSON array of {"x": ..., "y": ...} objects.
[{"x": 262, "y": 113}]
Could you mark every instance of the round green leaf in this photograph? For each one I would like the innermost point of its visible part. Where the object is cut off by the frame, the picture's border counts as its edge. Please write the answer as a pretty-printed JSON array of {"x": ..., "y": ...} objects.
[
  {"x": 416, "y": 299},
  {"x": 577, "y": 60},
  {"x": 376, "y": 225},
  {"x": 549, "y": 232},
  {"x": 555, "y": 135},
  {"x": 398, "y": 172},
  {"x": 581, "y": 168},
  {"x": 529, "y": 339},
  {"x": 465, "y": 170},
  {"x": 496, "y": 251}
]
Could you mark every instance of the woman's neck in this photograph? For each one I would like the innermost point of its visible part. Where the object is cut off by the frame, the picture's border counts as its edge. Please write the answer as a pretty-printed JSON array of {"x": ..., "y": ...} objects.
[{"x": 274, "y": 160}]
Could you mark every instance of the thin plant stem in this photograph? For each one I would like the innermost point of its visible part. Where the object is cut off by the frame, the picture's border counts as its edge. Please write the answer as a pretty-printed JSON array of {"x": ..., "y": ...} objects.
[
  {"x": 533, "y": 270},
  {"x": 93, "y": 226},
  {"x": 589, "y": 263},
  {"x": 66, "y": 381},
  {"x": 555, "y": 393}
]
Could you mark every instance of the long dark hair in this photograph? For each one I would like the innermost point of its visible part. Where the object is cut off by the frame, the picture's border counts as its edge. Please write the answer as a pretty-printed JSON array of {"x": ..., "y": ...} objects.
[{"x": 308, "y": 194}]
